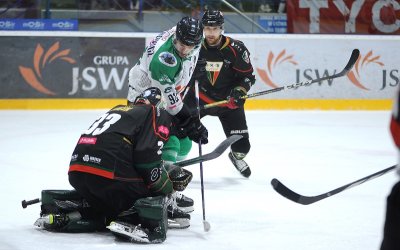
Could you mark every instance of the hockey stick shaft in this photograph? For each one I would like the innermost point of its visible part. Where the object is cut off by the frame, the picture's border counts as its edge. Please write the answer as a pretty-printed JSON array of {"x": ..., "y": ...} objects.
[
  {"x": 206, "y": 225},
  {"x": 306, "y": 200},
  {"x": 353, "y": 59}
]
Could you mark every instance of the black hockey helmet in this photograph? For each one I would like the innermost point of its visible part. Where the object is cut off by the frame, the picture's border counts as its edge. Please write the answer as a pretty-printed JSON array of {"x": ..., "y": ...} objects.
[
  {"x": 152, "y": 94},
  {"x": 212, "y": 18},
  {"x": 189, "y": 31}
]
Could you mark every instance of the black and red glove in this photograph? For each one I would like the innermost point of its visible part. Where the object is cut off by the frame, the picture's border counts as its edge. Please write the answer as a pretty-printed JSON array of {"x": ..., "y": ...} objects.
[
  {"x": 197, "y": 132},
  {"x": 235, "y": 98}
]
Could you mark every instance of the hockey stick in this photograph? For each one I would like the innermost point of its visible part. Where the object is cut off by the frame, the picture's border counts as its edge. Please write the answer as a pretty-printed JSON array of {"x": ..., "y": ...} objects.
[
  {"x": 353, "y": 59},
  {"x": 306, "y": 200},
  {"x": 206, "y": 224}
]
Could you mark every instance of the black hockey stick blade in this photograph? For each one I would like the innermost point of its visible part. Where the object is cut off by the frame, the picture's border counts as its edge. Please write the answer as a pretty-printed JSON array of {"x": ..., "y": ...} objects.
[
  {"x": 355, "y": 54},
  {"x": 306, "y": 200},
  {"x": 214, "y": 154}
]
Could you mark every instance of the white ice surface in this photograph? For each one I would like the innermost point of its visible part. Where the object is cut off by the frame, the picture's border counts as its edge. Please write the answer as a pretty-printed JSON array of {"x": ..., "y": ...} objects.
[{"x": 310, "y": 151}]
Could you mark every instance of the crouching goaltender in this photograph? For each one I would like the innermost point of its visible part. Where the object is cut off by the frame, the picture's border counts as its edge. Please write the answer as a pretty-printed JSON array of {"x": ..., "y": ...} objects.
[{"x": 119, "y": 178}]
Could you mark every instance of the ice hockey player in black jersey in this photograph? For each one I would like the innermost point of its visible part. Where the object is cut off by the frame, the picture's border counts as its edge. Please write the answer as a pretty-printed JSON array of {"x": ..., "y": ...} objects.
[
  {"x": 391, "y": 233},
  {"x": 119, "y": 178},
  {"x": 229, "y": 75}
]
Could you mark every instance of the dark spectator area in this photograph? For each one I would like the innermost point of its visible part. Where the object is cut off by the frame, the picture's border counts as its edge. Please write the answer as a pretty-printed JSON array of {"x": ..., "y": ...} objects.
[{"x": 242, "y": 16}]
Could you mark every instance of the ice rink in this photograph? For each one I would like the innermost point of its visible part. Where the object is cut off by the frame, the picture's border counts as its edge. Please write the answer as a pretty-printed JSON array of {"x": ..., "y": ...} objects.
[{"x": 311, "y": 152}]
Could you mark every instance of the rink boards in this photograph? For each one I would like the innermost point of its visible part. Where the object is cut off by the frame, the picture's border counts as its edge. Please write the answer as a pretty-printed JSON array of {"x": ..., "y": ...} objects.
[
  {"x": 85, "y": 70},
  {"x": 263, "y": 104}
]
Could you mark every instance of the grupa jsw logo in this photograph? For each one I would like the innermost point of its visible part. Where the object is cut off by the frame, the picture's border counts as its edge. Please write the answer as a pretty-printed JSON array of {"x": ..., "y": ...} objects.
[
  {"x": 102, "y": 75},
  {"x": 368, "y": 73}
]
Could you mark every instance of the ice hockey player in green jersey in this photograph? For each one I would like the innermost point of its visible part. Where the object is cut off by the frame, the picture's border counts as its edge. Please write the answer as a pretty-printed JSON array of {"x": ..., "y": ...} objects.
[{"x": 168, "y": 63}]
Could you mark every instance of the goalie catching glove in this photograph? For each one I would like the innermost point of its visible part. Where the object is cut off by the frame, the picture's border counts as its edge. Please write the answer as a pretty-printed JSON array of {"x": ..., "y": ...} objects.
[
  {"x": 235, "y": 97},
  {"x": 180, "y": 177}
]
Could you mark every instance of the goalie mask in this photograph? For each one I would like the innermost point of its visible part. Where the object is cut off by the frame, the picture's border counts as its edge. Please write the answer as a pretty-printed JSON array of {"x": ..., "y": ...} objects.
[{"x": 151, "y": 96}]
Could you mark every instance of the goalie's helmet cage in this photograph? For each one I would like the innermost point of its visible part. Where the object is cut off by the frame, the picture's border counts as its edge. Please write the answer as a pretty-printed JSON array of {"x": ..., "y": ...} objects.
[
  {"x": 189, "y": 31},
  {"x": 152, "y": 94},
  {"x": 212, "y": 18}
]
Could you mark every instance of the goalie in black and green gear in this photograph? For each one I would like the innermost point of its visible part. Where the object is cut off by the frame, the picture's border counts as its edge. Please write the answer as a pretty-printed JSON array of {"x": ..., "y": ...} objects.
[{"x": 119, "y": 176}]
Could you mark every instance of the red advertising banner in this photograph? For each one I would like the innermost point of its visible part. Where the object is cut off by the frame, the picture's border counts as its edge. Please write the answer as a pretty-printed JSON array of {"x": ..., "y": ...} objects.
[{"x": 343, "y": 16}]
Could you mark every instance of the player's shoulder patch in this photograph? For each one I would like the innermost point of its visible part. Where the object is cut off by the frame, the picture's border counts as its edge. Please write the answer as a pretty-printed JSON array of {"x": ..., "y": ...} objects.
[
  {"x": 246, "y": 56},
  {"x": 167, "y": 59}
]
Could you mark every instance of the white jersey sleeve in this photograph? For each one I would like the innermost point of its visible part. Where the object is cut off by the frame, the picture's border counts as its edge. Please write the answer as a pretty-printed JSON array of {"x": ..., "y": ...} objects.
[{"x": 160, "y": 66}]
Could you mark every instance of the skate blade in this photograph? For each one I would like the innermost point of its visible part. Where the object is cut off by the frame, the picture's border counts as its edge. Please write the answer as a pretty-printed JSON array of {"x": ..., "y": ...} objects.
[
  {"x": 186, "y": 209},
  {"x": 178, "y": 223},
  {"x": 130, "y": 233}
]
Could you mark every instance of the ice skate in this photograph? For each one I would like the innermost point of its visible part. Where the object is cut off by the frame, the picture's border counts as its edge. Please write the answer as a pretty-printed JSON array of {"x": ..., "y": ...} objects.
[{"x": 240, "y": 164}]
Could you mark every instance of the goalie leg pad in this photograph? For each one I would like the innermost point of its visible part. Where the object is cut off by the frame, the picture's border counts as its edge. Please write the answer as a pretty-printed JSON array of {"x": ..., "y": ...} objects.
[
  {"x": 61, "y": 212},
  {"x": 153, "y": 213},
  {"x": 56, "y": 200}
]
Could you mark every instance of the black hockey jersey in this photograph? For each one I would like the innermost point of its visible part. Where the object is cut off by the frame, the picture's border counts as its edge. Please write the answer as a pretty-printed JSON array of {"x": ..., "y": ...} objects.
[
  {"x": 125, "y": 144},
  {"x": 228, "y": 66}
]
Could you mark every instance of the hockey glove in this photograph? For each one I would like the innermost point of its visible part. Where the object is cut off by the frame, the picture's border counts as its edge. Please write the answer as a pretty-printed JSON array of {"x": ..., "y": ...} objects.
[
  {"x": 200, "y": 70},
  {"x": 235, "y": 97},
  {"x": 180, "y": 179},
  {"x": 197, "y": 132}
]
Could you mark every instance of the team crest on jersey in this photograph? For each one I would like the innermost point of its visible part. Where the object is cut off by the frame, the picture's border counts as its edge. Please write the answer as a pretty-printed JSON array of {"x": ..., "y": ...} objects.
[
  {"x": 246, "y": 57},
  {"x": 163, "y": 130},
  {"x": 213, "y": 69},
  {"x": 168, "y": 59}
]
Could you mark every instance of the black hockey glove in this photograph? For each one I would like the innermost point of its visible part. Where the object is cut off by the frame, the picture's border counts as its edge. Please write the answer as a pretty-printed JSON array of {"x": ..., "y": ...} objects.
[
  {"x": 200, "y": 70},
  {"x": 194, "y": 129},
  {"x": 234, "y": 98},
  {"x": 197, "y": 132}
]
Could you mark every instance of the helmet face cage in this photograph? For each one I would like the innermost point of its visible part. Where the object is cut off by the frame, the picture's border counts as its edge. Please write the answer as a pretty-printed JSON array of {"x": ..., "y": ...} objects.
[
  {"x": 152, "y": 95},
  {"x": 213, "y": 18},
  {"x": 189, "y": 31}
]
